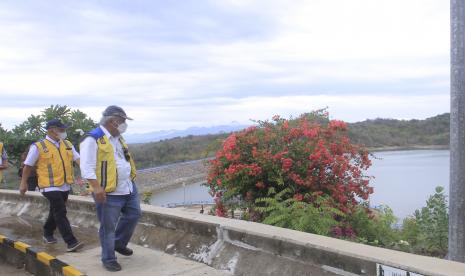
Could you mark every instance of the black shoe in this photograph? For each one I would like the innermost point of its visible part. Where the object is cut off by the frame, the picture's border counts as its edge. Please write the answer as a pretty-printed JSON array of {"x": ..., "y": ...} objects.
[
  {"x": 75, "y": 246},
  {"x": 124, "y": 251},
  {"x": 49, "y": 239},
  {"x": 113, "y": 266}
]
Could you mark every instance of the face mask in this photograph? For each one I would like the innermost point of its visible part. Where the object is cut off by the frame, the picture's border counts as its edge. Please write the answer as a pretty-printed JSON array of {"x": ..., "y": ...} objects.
[
  {"x": 122, "y": 128},
  {"x": 62, "y": 135}
]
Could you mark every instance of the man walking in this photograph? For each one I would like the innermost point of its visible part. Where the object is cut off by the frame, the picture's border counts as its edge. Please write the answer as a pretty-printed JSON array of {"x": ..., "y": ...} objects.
[
  {"x": 53, "y": 157},
  {"x": 108, "y": 166}
]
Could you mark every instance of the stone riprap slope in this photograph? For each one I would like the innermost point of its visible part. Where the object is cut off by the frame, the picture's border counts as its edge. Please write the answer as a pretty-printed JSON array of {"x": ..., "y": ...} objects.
[{"x": 172, "y": 175}]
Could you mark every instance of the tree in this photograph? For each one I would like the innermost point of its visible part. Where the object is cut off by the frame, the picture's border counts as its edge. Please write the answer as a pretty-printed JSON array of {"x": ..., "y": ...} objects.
[
  {"x": 33, "y": 129},
  {"x": 310, "y": 155},
  {"x": 433, "y": 224}
]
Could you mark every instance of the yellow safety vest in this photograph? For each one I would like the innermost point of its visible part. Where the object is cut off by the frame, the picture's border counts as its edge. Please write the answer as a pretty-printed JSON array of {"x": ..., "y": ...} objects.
[
  {"x": 54, "y": 166},
  {"x": 106, "y": 170},
  {"x": 1, "y": 152}
]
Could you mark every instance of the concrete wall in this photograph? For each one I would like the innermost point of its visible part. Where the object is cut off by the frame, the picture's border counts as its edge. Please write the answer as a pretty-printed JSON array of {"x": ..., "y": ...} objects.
[{"x": 243, "y": 248}]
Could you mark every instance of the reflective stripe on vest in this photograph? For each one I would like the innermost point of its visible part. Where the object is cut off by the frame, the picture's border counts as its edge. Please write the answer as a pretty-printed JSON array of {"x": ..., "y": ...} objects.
[{"x": 104, "y": 173}]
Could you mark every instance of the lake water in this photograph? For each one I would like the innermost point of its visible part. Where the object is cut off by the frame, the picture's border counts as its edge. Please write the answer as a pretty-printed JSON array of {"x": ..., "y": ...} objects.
[
  {"x": 193, "y": 193},
  {"x": 403, "y": 180}
]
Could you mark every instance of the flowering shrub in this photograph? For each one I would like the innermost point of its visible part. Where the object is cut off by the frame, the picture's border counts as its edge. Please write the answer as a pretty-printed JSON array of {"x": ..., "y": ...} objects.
[{"x": 311, "y": 155}]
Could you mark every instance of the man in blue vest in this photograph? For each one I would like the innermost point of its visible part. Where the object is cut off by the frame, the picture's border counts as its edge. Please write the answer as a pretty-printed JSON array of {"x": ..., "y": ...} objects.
[{"x": 109, "y": 168}]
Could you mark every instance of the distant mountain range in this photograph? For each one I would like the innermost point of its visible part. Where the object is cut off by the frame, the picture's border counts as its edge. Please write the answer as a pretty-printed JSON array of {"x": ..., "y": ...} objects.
[
  {"x": 201, "y": 142},
  {"x": 372, "y": 133},
  {"x": 156, "y": 136}
]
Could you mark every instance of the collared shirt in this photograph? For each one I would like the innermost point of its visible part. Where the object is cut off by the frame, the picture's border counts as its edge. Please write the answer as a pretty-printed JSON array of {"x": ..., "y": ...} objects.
[
  {"x": 33, "y": 156},
  {"x": 88, "y": 149}
]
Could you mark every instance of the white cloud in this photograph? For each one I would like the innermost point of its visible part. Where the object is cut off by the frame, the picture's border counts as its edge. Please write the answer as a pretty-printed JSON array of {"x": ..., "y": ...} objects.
[
  {"x": 173, "y": 75},
  {"x": 183, "y": 114}
]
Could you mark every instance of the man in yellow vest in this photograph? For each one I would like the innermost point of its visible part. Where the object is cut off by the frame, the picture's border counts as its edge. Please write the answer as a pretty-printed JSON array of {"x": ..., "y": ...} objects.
[
  {"x": 54, "y": 158},
  {"x": 109, "y": 167},
  {"x": 3, "y": 160}
]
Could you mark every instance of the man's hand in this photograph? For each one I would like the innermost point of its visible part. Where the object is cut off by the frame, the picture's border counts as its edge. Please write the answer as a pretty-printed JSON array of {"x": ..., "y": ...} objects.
[
  {"x": 23, "y": 187},
  {"x": 26, "y": 173},
  {"x": 100, "y": 195},
  {"x": 4, "y": 164}
]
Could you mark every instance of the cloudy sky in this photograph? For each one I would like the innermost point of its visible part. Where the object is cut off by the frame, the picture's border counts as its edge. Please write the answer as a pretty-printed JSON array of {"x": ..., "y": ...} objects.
[{"x": 176, "y": 64}]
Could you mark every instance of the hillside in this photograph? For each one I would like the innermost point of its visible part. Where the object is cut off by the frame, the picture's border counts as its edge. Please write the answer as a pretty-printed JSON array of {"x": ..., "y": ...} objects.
[
  {"x": 377, "y": 133},
  {"x": 401, "y": 133},
  {"x": 174, "y": 150},
  {"x": 173, "y": 133}
]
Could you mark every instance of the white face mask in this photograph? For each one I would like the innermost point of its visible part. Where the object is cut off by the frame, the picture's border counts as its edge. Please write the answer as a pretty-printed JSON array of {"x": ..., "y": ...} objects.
[
  {"x": 122, "y": 128},
  {"x": 62, "y": 135}
]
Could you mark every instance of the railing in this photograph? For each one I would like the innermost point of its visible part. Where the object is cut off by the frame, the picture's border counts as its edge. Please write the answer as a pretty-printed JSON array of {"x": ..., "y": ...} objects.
[{"x": 191, "y": 203}]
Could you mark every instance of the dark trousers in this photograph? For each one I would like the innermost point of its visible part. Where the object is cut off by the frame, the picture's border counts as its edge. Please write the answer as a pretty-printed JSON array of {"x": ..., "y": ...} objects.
[
  {"x": 57, "y": 216},
  {"x": 32, "y": 183}
]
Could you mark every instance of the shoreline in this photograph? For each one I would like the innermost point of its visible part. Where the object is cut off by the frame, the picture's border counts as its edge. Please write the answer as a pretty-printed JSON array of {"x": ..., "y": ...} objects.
[
  {"x": 404, "y": 148},
  {"x": 370, "y": 149},
  {"x": 162, "y": 187}
]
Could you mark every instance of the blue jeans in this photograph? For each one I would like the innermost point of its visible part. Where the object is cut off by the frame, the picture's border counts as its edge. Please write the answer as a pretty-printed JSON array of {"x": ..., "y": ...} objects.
[{"x": 118, "y": 217}]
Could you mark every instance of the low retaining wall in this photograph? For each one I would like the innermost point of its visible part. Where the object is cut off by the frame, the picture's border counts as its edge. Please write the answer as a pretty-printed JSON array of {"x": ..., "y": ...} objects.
[
  {"x": 243, "y": 248},
  {"x": 21, "y": 255}
]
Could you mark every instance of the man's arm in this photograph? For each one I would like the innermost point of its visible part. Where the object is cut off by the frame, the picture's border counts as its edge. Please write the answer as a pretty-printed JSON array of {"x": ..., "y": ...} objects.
[
  {"x": 26, "y": 173},
  {"x": 4, "y": 159},
  {"x": 76, "y": 156},
  {"x": 4, "y": 164},
  {"x": 99, "y": 192},
  {"x": 29, "y": 163},
  {"x": 88, "y": 165}
]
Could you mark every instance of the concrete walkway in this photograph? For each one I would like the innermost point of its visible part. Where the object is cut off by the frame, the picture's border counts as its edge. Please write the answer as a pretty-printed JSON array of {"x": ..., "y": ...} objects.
[
  {"x": 8, "y": 270},
  {"x": 144, "y": 262}
]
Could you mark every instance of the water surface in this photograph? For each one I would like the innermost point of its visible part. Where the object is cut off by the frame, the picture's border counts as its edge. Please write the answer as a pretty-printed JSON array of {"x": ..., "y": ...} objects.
[{"x": 403, "y": 180}]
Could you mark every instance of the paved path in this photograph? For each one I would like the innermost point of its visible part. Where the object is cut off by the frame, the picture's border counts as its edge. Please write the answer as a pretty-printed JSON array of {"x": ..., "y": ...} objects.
[
  {"x": 144, "y": 262},
  {"x": 8, "y": 270}
]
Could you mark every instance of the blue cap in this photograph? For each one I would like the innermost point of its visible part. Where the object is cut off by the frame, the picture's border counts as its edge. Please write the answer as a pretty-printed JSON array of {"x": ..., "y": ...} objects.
[
  {"x": 114, "y": 110},
  {"x": 55, "y": 123}
]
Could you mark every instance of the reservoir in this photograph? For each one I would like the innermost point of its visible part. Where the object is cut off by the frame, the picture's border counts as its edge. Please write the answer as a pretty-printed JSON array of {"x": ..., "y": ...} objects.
[{"x": 403, "y": 180}]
